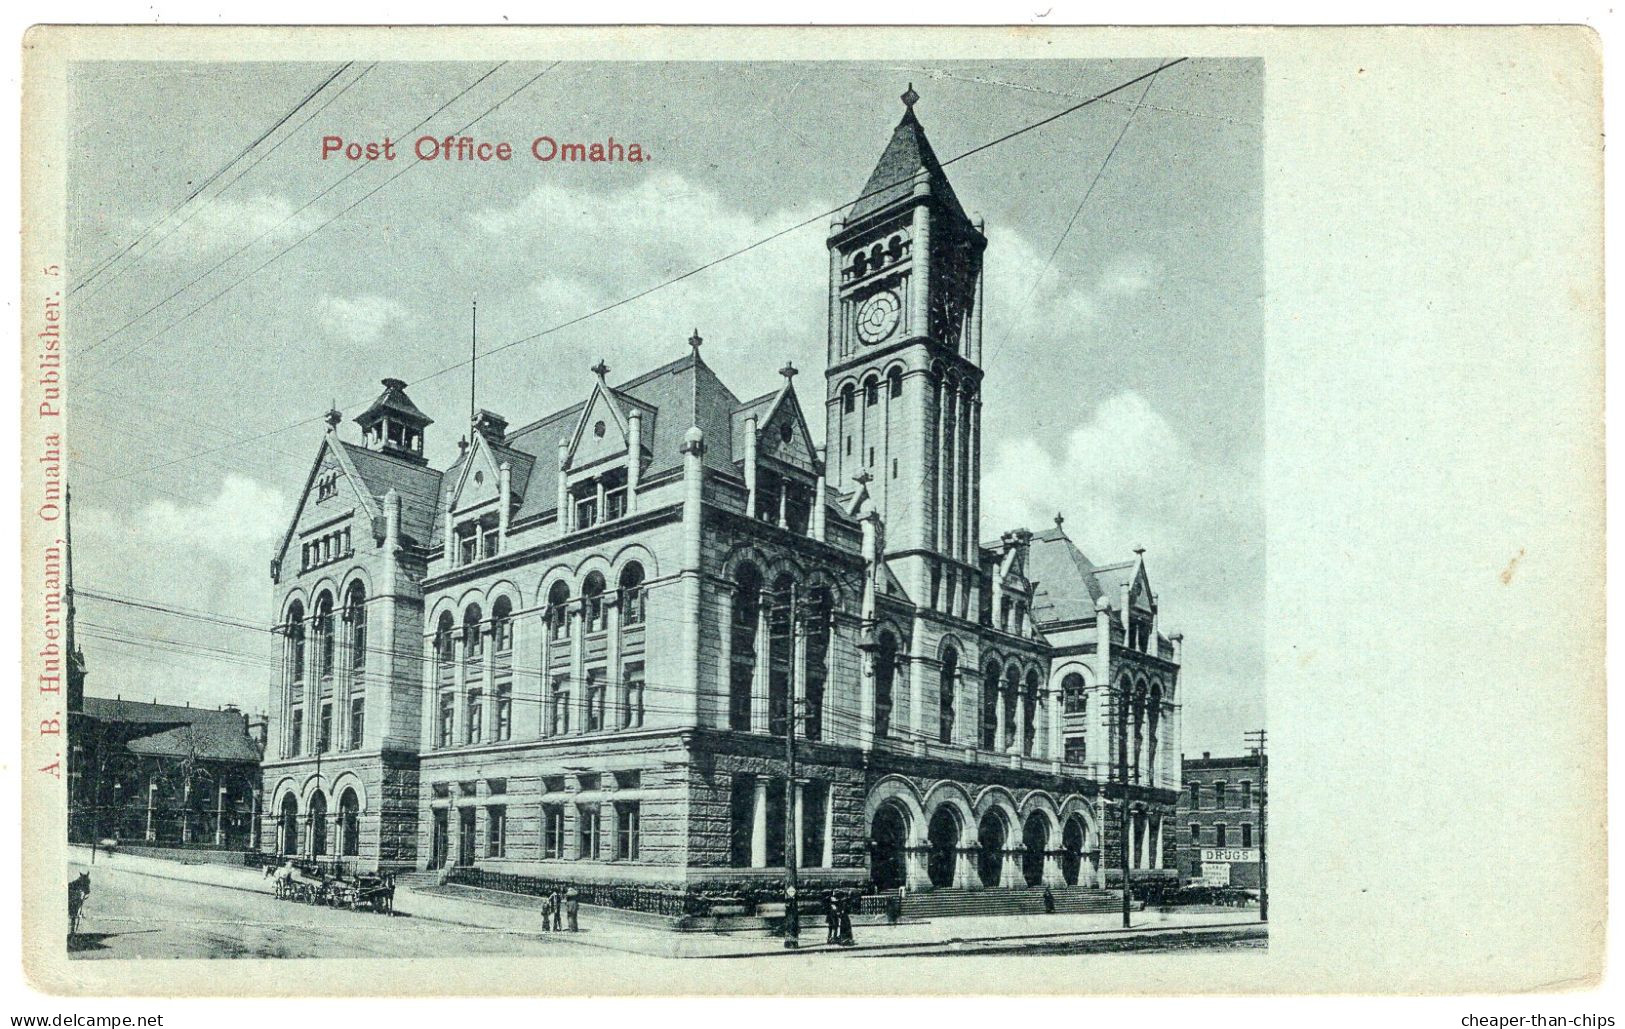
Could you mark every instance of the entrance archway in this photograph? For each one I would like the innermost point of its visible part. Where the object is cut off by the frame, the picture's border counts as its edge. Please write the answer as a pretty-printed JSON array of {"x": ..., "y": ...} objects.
[
  {"x": 1072, "y": 841},
  {"x": 888, "y": 836},
  {"x": 1035, "y": 840},
  {"x": 991, "y": 833},
  {"x": 288, "y": 825},
  {"x": 943, "y": 836},
  {"x": 318, "y": 824}
]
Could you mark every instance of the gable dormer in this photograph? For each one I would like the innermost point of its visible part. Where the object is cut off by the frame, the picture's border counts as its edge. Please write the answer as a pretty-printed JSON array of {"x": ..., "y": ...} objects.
[
  {"x": 601, "y": 461},
  {"x": 781, "y": 465},
  {"x": 335, "y": 514}
]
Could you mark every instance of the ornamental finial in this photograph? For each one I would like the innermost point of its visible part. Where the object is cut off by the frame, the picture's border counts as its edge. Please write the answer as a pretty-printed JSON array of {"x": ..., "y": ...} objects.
[
  {"x": 789, "y": 370},
  {"x": 1059, "y": 519},
  {"x": 695, "y": 341},
  {"x": 910, "y": 98},
  {"x": 600, "y": 369}
]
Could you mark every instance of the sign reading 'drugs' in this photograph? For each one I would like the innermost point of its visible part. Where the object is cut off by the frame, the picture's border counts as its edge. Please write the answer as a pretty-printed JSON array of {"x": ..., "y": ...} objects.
[{"x": 1237, "y": 854}]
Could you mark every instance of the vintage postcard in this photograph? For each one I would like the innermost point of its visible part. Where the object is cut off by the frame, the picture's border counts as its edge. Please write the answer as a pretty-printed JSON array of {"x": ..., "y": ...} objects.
[{"x": 755, "y": 511}]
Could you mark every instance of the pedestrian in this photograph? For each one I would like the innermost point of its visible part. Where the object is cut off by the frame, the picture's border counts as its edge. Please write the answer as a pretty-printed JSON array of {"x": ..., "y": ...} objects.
[
  {"x": 556, "y": 905},
  {"x": 847, "y": 902},
  {"x": 547, "y": 913},
  {"x": 832, "y": 918},
  {"x": 571, "y": 906},
  {"x": 1049, "y": 900}
]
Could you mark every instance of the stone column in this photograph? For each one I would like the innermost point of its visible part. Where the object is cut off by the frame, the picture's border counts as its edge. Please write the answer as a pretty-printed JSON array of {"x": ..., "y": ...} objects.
[
  {"x": 1156, "y": 847},
  {"x": 614, "y": 686},
  {"x": 576, "y": 619},
  {"x": 725, "y": 654},
  {"x": 916, "y": 867},
  {"x": 220, "y": 817},
  {"x": 962, "y": 435},
  {"x": 828, "y": 857},
  {"x": 1010, "y": 873},
  {"x": 488, "y": 700},
  {"x": 939, "y": 522},
  {"x": 1056, "y": 721},
  {"x": 1053, "y": 876},
  {"x": 428, "y": 720},
  {"x": 974, "y": 521},
  {"x": 758, "y": 824},
  {"x": 965, "y": 877},
  {"x": 999, "y": 743}
]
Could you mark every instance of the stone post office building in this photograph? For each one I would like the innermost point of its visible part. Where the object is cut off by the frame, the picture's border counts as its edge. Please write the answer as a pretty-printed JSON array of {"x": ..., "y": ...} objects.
[{"x": 573, "y": 652}]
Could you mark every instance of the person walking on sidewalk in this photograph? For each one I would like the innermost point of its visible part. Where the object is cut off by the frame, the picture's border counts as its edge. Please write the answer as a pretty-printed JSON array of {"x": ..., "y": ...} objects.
[
  {"x": 832, "y": 918},
  {"x": 547, "y": 913},
  {"x": 555, "y": 903},
  {"x": 571, "y": 906}
]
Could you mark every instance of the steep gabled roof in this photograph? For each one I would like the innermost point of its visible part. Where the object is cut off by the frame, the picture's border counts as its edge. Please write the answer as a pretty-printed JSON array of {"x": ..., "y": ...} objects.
[
  {"x": 893, "y": 178},
  {"x": 418, "y": 486},
  {"x": 170, "y": 730}
]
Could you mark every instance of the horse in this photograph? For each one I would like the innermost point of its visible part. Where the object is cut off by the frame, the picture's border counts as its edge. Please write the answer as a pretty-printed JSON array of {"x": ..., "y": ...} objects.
[
  {"x": 78, "y": 890},
  {"x": 281, "y": 879}
]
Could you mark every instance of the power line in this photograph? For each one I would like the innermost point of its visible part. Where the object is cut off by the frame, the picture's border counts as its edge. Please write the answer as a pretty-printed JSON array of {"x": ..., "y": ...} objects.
[
  {"x": 212, "y": 268},
  {"x": 222, "y": 191},
  {"x": 703, "y": 267},
  {"x": 206, "y": 182}
]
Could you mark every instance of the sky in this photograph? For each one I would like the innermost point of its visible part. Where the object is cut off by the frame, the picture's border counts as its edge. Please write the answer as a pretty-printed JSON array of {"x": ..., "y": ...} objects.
[{"x": 1123, "y": 343}]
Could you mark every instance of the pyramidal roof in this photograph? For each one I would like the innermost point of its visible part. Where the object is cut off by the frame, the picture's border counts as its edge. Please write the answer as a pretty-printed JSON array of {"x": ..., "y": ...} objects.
[
  {"x": 893, "y": 178},
  {"x": 393, "y": 400}
]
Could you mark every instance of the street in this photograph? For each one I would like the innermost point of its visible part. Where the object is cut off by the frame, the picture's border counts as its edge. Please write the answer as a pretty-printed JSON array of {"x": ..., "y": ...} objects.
[{"x": 129, "y": 915}]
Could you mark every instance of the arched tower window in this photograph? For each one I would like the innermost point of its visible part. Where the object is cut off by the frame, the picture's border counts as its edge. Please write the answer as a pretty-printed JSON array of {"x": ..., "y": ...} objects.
[
  {"x": 355, "y": 616},
  {"x": 558, "y": 610},
  {"x": 473, "y": 638},
  {"x": 296, "y": 643},
  {"x": 592, "y": 596},
  {"x": 894, "y": 383},
  {"x": 747, "y": 603},
  {"x": 324, "y": 635},
  {"x": 885, "y": 674},
  {"x": 502, "y": 625},
  {"x": 444, "y": 633},
  {"x": 632, "y": 594}
]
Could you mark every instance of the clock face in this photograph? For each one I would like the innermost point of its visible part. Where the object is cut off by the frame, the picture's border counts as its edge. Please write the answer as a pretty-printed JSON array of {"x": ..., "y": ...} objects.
[{"x": 877, "y": 316}]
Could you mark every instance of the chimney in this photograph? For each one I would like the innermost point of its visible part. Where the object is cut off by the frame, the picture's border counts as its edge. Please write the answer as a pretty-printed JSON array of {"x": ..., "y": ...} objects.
[{"x": 1206, "y": 754}]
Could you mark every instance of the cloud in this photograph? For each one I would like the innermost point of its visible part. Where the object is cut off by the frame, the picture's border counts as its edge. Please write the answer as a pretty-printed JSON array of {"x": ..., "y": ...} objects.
[
  {"x": 222, "y": 225},
  {"x": 207, "y": 555},
  {"x": 359, "y": 319}
]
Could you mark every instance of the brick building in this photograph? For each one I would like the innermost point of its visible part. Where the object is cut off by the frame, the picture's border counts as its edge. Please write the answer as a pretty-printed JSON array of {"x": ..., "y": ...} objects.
[
  {"x": 573, "y": 652},
  {"x": 1220, "y": 811}
]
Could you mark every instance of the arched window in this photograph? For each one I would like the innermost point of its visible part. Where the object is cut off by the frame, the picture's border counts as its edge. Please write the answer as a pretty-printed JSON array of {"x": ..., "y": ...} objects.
[
  {"x": 473, "y": 638},
  {"x": 324, "y": 635},
  {"x": 1153, "y": 718},
  {"x": 445, "y": 631},
  {"x": 848, "y": 398},
  {"x": 317, "y": 817},
  {"x": 632, "y": 593},
  {"x": 779, "y": 655},
  {"x": 349, "y": 824},
  {"x": 894, "y": 383},
  {"x": 355, "y": 616},
  {"x": 947, "y": 692},
  {"x": 558, "y": 611},
  {"x": 1029, "y": 713},
  {"x": 820, "y": 612},
  {"x": 1012, "y": 704},
  {"x": 1074, "y": 695},
  {"x": 296, "y": 642},
  {"x": 990, "y": 707},
  {"x": 871, "y": 391},
  {"x": 747, "y": 601},
  {"x": 592, "y": 595},
  {"x": 885, "y": 672},
  {"x": 502, "y": 625}
]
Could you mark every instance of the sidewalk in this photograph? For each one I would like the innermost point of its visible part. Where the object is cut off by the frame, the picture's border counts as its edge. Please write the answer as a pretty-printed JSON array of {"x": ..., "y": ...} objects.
[{"x": 617, "y": 931}]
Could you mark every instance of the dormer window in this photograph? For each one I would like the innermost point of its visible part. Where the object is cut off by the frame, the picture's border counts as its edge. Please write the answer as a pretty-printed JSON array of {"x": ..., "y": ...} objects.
[{"x": 599, "y": 498}]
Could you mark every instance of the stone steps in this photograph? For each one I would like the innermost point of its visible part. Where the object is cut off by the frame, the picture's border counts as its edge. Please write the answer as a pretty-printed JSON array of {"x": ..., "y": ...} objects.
[{"x": 1020, "y": 900}]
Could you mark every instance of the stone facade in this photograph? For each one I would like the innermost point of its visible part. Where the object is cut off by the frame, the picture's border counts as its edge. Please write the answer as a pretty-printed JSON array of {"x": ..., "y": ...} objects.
[{"x": 577, "y": 649}]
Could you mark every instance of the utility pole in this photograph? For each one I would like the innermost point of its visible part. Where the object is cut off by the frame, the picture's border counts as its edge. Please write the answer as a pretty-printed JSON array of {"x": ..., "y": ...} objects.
[
  {"x": 1121, "y": 700},
  {"x": 792, "y": 837},
  {"x": 1257, "y": 739}
]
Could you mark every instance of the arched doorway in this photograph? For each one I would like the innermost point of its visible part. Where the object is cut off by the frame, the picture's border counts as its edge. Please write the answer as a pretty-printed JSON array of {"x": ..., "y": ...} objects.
[
  {"x": 1035, "y": 840},
  {"x": 991, "y": 834},
  {"x": 1072, "y": 844},
  {"x": 288, "y": 825},
  {"x": 888, "y": 836},
  {"x": 349, "y": 824},
  {"x": 943, "y": 837},
  {"x": 318, "y": 824}
]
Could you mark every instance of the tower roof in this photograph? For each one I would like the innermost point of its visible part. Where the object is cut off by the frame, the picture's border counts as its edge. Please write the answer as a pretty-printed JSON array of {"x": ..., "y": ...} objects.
[
  {"x": 394, "y": 401},
  {"x": 893, "y": 178}
]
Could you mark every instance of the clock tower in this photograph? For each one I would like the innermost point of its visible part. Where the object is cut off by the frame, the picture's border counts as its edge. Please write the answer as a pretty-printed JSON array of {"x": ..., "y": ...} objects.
[{"x": 904, "y": 366}]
